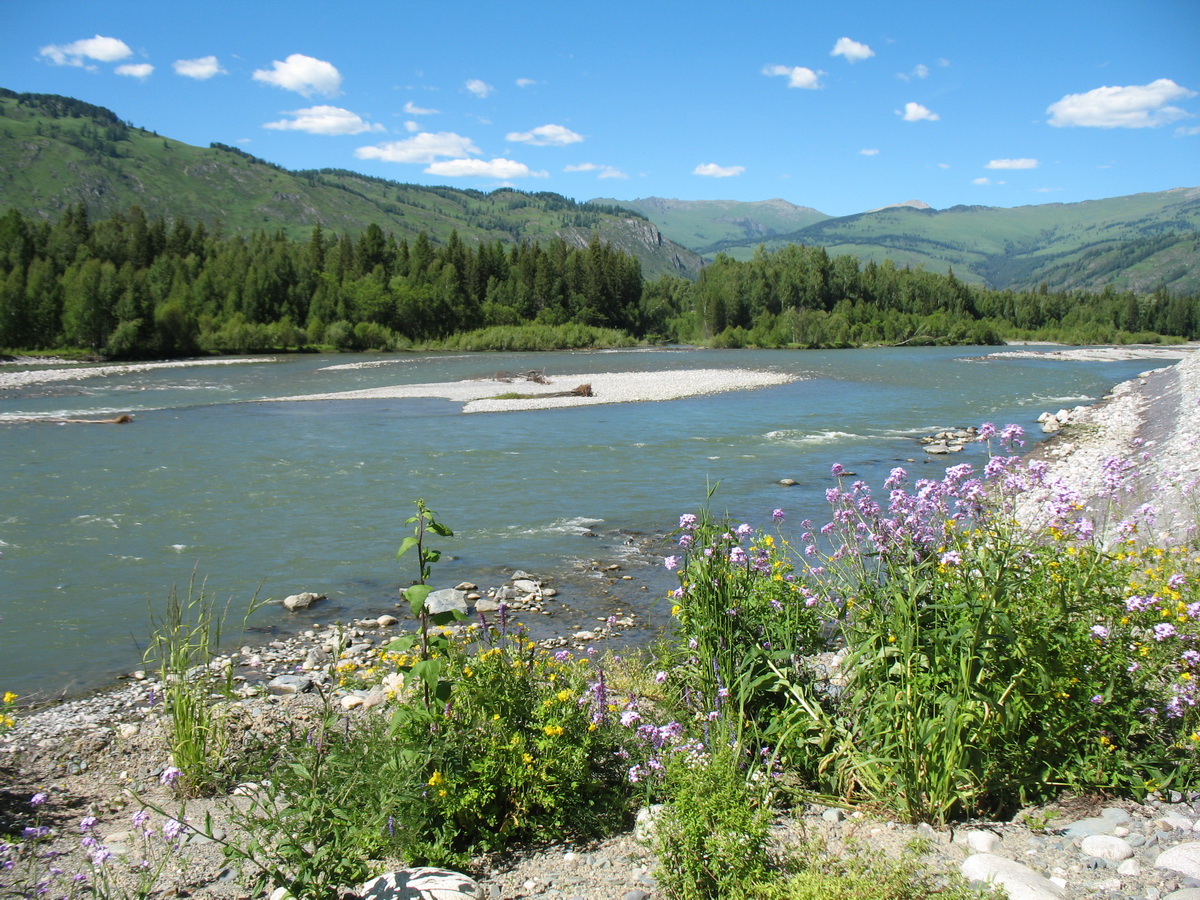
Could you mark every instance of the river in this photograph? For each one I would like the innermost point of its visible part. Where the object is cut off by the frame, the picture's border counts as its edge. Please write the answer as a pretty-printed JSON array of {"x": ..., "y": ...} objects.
[{"x": 219, "y": 480}]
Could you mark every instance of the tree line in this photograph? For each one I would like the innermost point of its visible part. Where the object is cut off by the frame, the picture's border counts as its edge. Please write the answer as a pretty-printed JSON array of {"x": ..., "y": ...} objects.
[{"x": 132, "y": 286}]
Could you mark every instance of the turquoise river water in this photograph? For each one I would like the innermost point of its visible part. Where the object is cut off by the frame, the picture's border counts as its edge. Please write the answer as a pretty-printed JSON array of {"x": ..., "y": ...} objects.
[{"x": 97, "y": 523}]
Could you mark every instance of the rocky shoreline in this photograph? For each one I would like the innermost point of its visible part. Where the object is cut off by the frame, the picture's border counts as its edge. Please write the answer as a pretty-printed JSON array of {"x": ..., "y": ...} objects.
[{"x": 92, "y": 755}]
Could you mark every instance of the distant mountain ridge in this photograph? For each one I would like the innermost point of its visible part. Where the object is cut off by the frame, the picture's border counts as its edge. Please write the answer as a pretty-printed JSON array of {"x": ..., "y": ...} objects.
[
  {"x": 57, "y": 151},
  {"x": 1138, "y": 242}
]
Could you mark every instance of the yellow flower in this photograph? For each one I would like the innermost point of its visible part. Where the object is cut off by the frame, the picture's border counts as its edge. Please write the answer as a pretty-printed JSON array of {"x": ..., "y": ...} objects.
[
  {"x": 442, "y": 792},
  {"x": 527, "y": 759},
  {"x": 564, "y": 696},
  {"x": 553, "y": 730},
  {"x": 9, "y": 696},
  {"x": 436, "y": 778}
]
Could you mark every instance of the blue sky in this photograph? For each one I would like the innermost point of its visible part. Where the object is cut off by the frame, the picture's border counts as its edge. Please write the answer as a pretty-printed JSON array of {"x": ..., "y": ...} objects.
[{"x": 841, "y": 107}]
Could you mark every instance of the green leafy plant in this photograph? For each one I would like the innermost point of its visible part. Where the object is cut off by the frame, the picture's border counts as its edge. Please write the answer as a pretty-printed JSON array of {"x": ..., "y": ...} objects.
[
  {"x": 712, "y": 836},
  {"x": 183, "y": 644}
]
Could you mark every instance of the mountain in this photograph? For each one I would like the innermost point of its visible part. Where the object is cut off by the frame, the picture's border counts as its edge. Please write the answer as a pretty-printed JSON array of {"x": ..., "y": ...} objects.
[
  {"x": 1139, "y": 242},
  {"x": 56, "y": 151},
  {"x": 705, "y": 225}
]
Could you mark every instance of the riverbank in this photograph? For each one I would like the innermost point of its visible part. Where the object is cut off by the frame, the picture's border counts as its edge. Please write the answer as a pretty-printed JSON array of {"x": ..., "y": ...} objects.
[{"x": 89, "y": 756}]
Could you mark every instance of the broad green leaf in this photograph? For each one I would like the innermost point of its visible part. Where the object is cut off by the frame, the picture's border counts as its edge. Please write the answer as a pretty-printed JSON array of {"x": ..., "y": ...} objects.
[
  {"x": 407, "y": 544},
  {"x": 416, "y": 595}
]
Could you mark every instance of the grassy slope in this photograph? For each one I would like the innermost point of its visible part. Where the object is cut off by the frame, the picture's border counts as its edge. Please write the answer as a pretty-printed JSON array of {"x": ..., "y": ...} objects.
[
  {"x": 48, "y": 163},
  {"x": 1064, "y": 244},
  {"x": 703, "y": 224}
]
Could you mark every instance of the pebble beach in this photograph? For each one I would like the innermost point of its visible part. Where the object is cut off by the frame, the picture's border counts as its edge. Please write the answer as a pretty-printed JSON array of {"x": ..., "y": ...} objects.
[{"x": 96, "y": 753}]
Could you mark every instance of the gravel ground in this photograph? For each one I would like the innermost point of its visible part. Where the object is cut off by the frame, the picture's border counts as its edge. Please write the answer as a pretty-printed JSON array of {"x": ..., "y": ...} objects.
[{"x": 606, "y": 387}]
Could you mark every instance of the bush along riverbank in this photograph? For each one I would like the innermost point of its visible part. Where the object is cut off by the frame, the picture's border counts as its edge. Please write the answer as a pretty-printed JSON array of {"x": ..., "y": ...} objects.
[{"x": 924, "y": 659}]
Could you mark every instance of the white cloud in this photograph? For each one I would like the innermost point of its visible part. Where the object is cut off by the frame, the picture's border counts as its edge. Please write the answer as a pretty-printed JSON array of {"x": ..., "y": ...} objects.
[
  {"x": 135, "y": 70},
  {"x": 420, "y": 148},
  {"x": 982, "y": 181},
  {"x": 412, "y": 109},
  {"x": 915, "y": 112},
  {"x": 201, "y": 69},
  {"x": 1012, "y": 164},
  {"x": 479, "y": 88},
  {"x": 304, "y": 75},
  {"x": 797, "y": 76},
  {"x": 943, "y": 165},
  {"x": 920, "y": 71},
  {"x": 1133, "y": 106},
  {"x": 871, "y": 152},
  {"x": 604, "y": 171},
  {"x": 103, "y": 49},
  {"x": 1187, "y": 131},
  {"x": 853, "y": 51},
  {"x": 412, "y": 127},
  {"x": 712, "y": 170},
  {"x": 324, "y": 120},
  {"x": 545, "y": 136},
  {"x": 525, "y": 82},
  {"x": 479, "y": 168}
]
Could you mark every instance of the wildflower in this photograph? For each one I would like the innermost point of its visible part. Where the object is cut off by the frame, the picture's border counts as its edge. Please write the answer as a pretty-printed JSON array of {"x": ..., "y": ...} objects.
[
  {"x": 140, "y": 818},
  {"x": 837, "y": 470},
  {"x": 743, "y": 531},
  {"x": 951, "y": 558},
  {"x": 9, "y": 697},
  {"x": 737, "y": 556},
  {"x": 1098, "y": 699},
  {"x": 660, "y": 677},
  {"x": 672, "y": 563},
  {"x": 685, "y": 541},
  {"x": 1163, "y": 630},
  {"x": 38, "y": 799},
  {"x": 687, "y": 521},
  {"x": 1100, "y": 632},
  {"x": 778, "y": 515},
  {"x": 87, "y": 823},
  {"x": 170, "y": 775},
  {"x": 553, "y": 730},
  {"x": 629, "y": 717},
  {"x": 171, "y": 829},
  {"x": 436, "y": 779}
]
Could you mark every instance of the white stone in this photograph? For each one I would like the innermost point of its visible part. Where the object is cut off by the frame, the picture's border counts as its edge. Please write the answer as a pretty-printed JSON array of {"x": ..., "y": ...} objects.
[
  {"x": 1174, "y": 820},
  {"x": 1106, "y": 846},
  {"x": 352, "y": 701},
  {"x": 422, "y": 883},
  {"x": 647, "y": 821},
  {"x": 445, "y": 601},
  {"x": 1021, "y": 882},
  {"x": 386, "y": 621},
  {"x": 525, "y": 586},
  {"x": 982, "y": 841},
  {"x": 301, "y": 601},
  {"x": 128, "y": 729},
  {"x": 1182, "y": 858},
  {"x": 1130, "y": 868},
  {"x": 1184, "y": 894}
]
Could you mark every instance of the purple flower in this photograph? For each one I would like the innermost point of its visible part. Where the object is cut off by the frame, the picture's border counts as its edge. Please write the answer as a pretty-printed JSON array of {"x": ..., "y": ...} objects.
[
  {"x": 672, "y": 563},
  {"x": 172, "y": 828},
  {"x": 1163, "y": 630},
  {"x": 743, "y": 531},
  {"x": 170, "y": 775},
  {"x": 951, "y": 558},
  {"x": 1100, "y": 632},
  {"x": 685, "y": 541},
  {"x": 778, "y": 515},
  {"x": 1098, "y": 699},
  {"x": 737, "y": 556},
  {"x": 38, "y": 799},
  {"x": 687, "y": 521},
  {"x": 87, "y": 823},
  {"x": 629, "y": 717},
  {"x": 660, "y": 677},
  {"x": 837, "y": 470}
]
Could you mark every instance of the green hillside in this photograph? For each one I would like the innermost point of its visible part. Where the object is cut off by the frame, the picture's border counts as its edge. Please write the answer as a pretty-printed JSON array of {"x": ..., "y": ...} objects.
[
  {"x": 1139, "y": 243},
  {"x": 56, "y": 151},
  {"x": 704, "y": 225}
]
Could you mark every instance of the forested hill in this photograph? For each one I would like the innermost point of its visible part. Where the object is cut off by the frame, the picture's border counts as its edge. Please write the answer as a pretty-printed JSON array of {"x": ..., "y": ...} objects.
[
  {"x": 1140, "y": 243},
  {"x": 56, "y": 152}
]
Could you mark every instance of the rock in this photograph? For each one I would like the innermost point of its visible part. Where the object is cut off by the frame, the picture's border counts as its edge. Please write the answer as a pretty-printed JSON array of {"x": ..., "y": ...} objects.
[
  {"x": 1102, "y": 824},
  {"x": 466, "y": 586},
  {"x": 1174, "y": 820},
  {"x": 446, "y": 600},
  {"x": 351, "y": 701},
  {"x": 526, "y": 586},
  {"x": 128, "y": 730},
  {"x": 1185, "y": 894},
  {"x": 386, "y": 621},
  {"x": 424, "y": 883},
  {"x": 1106, "y": 847},
  {"x": 301, "y": 601},
  {"x": 1021, "y": 882},
  {"x": 636, "y": 894},
  {"x": 1051, "y": 425},
  {"x": 1130, "y": 868},
  {"x": 281, "y": 893},
  {"x": 788, "y": 482},
  {"x": 983, "y": 841},
  {"x": 833, "y": 814},
  {"x": 486, "y": 605},
  {"x": 1182, "y": 858},
  {"x": 289, "y": 684},
  {"x": 647, "y": 821}
]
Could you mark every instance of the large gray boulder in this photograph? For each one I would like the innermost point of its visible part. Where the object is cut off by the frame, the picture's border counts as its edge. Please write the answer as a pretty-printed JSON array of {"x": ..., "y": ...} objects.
[{"x": 422, "y": 883}]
